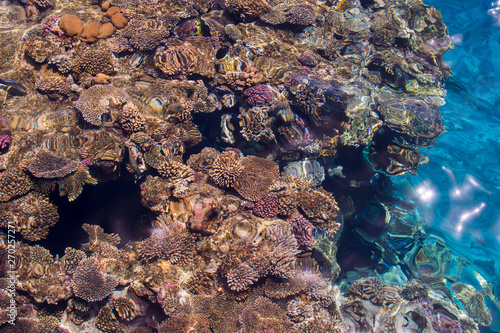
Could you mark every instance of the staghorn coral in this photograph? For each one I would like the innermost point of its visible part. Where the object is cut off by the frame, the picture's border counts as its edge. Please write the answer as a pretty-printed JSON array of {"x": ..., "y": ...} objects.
[
  {"x": 257, "y": 175},
  {"x": 13, "y": 183},
  {"x": 90, "y": 284},
  {"x": 226, "y": 168},
  {"x": 266, "y": 207},
  {"x": 33, "y": 215},
  {"x": 131, "y": 119},
  {"x": 93, "y": 61},
  {"x": 99, "y": 100},
  {"x": 48, "y": 165},
  {"x": 302, "y": 229}
]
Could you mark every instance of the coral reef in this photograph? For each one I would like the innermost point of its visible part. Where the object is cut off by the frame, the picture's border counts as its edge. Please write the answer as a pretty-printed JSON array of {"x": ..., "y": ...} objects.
[{"x": 226, "y": 117}]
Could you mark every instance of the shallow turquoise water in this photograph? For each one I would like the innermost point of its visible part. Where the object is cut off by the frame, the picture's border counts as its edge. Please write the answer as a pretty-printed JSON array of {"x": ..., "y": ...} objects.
[{"x": 463, "y": 171}]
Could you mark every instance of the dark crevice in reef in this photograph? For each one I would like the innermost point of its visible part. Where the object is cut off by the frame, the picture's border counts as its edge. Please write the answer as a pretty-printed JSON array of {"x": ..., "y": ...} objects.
[{"x": 114, "y": 205}]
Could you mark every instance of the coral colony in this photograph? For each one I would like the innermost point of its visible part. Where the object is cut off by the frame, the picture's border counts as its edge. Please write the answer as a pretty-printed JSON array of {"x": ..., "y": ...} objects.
[{"x": 261, "y": 135}]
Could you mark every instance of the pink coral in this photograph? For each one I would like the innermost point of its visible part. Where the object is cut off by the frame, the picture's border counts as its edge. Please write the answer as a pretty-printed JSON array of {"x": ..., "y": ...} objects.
[
  {"x": 266, "y": 208},
  {"x": 302, "y": 229},
  {"x": 4, "y": 141},
  {"x": 259, "y": 94},
  {"x": 52, "y": 25}
]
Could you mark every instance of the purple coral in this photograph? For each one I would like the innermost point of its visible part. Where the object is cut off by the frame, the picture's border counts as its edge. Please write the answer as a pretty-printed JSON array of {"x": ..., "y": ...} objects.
[
  {"x": 302, "y": 229},
  {"x": 4, "y": 141},
  {"x": 266, "y": 208},
  {"x": 52, "y": 25},
  {"x": 259, "y": 94}
]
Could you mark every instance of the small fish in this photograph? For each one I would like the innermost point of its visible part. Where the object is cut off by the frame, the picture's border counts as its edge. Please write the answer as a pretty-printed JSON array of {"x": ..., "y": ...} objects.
[{"x": 13, "y": 87}]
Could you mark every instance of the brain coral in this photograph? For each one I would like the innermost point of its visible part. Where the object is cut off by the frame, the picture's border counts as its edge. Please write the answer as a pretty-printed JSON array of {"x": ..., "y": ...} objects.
[
  {"x": 99, "y": 100},
  {"x": 90, "y": 284},
  {"x": 48, "y": 165}
]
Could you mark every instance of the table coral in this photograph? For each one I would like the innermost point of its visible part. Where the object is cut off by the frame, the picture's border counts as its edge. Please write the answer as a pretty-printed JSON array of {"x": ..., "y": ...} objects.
[{"x": 48, "y": 165}]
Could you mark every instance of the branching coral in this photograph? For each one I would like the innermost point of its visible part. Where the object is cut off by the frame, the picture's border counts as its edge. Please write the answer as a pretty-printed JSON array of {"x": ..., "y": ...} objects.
[
  {"x": 203, "y": 161},
  {"x": 13, "y": 183},
  {"x": 414, "y": 289},
  {"x": 93, "y": 62},
  {"x": 71, "y": 259},
  {"x": 131, "y": 119},
  {"x": 177, "y": 247},
  {"x": 226, "y": 168},
  {"x": 90, "y": 284},
  {"x": 266, "y": 207},
  {"x": 184, "y": 322},
  {"x": 145, "y": 34},
  {"x": 174, "y": 170},
  {"x": 263, "y": 314},
  {"x": 302, "y": 228},
  {"x": 33, "y": 215},
  {"x": 48, "y": 165}
]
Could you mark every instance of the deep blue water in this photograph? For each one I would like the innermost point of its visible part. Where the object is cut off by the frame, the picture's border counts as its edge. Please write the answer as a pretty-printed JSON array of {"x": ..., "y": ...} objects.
[{"x": 463, "y": 171}]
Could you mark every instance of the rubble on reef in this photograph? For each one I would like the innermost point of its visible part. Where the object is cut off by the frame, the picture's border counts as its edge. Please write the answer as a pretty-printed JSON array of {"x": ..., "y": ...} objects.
[{"x": 235, "y": 117}]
